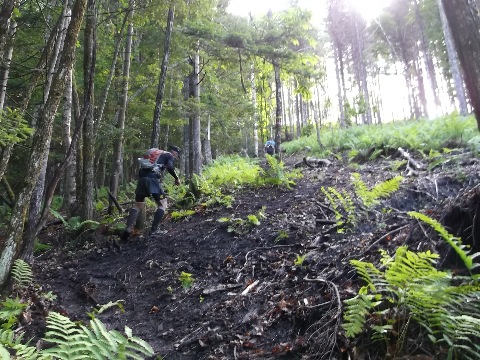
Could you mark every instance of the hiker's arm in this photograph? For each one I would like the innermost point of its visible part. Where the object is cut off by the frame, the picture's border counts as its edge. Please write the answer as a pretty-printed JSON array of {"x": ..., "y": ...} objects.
[{"x": 171, "y": 170}]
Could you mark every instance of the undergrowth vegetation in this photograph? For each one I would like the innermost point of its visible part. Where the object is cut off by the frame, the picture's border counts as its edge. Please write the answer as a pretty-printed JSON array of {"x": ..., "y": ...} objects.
[
  {"x": 408, "y": 295},
  {"x": 422, "y": 135}
]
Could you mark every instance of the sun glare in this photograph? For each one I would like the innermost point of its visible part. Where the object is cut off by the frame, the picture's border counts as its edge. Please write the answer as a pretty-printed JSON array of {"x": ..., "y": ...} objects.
[{"x": 370, "y": 9}]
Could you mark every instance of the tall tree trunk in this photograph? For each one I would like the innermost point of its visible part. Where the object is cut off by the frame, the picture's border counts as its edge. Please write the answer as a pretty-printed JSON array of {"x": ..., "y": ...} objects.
[
  {"x": 122, "y": 110},
  {"x": 185, "y": 160},
  {"x": 88, "y": 181},
  {"x": 39, "y": 151},
  {"x": 207, "y": 144},
  {"x": 340, "y": 98},
  {"x": 278, "y": 110},
  {"x": 69, "y": 184},
  {"x": 38, "y": 193},
  {"x": 195, "y": 116},
  {"x": 5, "y": 62},
  {"x": 362, "y": 73},
  {"x": 464, "y": 22},
  {"x": 161, "y": 82},
  {"x": 255, "y": 112},
  {"x": 427, "y": 54},
  {"x": 453, "y": 61}
]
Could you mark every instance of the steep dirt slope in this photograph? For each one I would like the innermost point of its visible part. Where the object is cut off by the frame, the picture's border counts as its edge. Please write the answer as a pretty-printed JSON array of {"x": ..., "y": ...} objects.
[{"x": 267, "y": 291}]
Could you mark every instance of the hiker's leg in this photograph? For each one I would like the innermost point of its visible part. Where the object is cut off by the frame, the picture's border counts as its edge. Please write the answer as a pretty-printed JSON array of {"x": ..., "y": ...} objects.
[
  {"x": 161, "y": 201},
  {"x": 132, "y": 217}
]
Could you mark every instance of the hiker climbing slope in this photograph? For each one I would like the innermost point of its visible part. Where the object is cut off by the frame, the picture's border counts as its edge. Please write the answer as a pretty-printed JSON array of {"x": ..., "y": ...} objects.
[{"x": 150, "y": 175}]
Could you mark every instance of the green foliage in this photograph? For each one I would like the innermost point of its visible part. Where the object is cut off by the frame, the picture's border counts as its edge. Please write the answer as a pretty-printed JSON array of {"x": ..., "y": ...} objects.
[
  {"x": 11, "y": 340},
  {"x": 21, "y": 273},
  {"x": 74, "y": 224},
  {"x": 381, "y": 190},
  {"x": 177, "y": 215},
  {"x": 186, "y": 279},
  {"x": 342, "y": 206},
  {"x": 282, "y": 234},
  {"x": 454, "y": 242},
  {"x": 105, "y": 307},
  {"x": 13, "y": 127},
  {"x": 299, "y": 260},
  {"x": 10, "y": 311},
  {"x": 410, "y": 286},
  {"x": 275, "y": 173},
  {"x": 231, "y": 172},
  {"x": 73, "y": 341},
  {"x": 242, "y": 226},
  {"x": 422, "y": 135}
]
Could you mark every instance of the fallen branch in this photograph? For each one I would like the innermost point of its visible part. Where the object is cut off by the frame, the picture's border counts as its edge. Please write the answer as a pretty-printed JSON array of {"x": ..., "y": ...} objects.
[
  {"x": 417, "y": 165},
  {"x": 250, "y": 287}
]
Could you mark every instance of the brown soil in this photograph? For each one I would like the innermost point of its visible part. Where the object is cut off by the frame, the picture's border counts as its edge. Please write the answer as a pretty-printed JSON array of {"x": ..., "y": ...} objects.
[{"x": 249, "y": 299}]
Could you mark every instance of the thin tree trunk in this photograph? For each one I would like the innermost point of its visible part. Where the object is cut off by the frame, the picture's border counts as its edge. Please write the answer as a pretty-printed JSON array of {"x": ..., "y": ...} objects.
[
  {"x": 118, "y": 142},
  {"x": 278, "y": 111},
  {"x": 255, "y": 113},
  {"x": 89, "y": 60},
  {"x": 195, "y": 116},
  {"x": 207, "y": 144},
  {"x": 39, "y": 150},
  {"x": 161, "y": 82},
  {"x": 6, "y": 61}
]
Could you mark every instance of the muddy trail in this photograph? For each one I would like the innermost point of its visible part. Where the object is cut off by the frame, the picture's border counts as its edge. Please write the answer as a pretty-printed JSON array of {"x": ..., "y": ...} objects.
[{"x": 267, "y": 291}]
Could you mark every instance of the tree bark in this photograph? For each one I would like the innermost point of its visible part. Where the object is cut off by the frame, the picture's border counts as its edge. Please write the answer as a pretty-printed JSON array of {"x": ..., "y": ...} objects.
[
  {"x": 88, "y": 180},
  {"x": 464, "y": 22},
  {"x": 161, "y": 82},
  {"x": 39, "y": 151},
  {"x": 453, "y": 61},
  {"x": 118, "y": 142},
  {"x": 278, "y": 109}
]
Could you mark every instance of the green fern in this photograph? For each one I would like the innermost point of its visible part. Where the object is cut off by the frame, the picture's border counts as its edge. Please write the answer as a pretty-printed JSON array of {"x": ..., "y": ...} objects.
[
  {"x": 74, "y": 341},
  {"x": 21, "y": 273},
  {"x": 10, "y": 342},
  {"x": 453, "y": 241},
  {"x": 342, "y": 206},
  {"x": 446, "y": 307},
  {"x": 381, "y": 190}
]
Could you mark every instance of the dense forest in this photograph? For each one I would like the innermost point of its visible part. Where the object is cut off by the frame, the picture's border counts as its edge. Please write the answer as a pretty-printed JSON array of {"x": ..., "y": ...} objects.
[{"x": 88, "y": 85}]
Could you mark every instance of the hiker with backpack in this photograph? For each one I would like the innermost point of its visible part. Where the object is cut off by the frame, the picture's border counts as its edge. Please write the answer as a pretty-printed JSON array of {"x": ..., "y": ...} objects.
[
  {"x": 269, "y": 147},
  {"x": 152, "y": 168}
]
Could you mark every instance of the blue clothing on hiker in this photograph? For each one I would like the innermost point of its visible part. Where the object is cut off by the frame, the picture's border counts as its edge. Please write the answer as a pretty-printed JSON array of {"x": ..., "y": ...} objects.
[{"x": 270, "y": 143}]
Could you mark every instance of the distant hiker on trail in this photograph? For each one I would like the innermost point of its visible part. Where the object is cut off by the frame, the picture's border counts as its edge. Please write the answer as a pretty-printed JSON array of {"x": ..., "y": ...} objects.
[
  {"x": 269, "y": 147},
  {"x": 150, "y": 175}
]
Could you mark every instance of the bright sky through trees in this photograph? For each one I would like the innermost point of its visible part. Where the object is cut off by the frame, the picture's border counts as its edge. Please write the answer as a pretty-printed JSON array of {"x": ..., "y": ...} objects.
[{"x": 368, "y": 8}]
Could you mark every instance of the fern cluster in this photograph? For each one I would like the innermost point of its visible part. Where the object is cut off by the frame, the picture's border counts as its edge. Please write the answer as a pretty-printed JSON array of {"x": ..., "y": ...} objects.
[
  {"x": 410, "y": 286},
  {"x": 382, "y": 190},
  {"x": 275, "y": 173}
]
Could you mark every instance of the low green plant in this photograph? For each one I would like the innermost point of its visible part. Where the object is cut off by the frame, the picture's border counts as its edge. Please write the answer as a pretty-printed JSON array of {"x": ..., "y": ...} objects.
[
  {"x": 453, "y": 241},
  {"x": 242, "y": 226},
  {"x": 186, "y": 279},
  {"x": 21, "y": 273},
  {"x": 10, "y": 310},
  {"x": 177, "y": 215},
  {"x": 342, "y": 206},
  {"x": 282, "y": 234},
  {"x": 75, "y": 224},
  {"x": 275, "y": 173},
  {"x": 382, "y": 190},
  {"x": 409, "y": 289},
  {"x": 299, "y": 260},
  {"x": 101, "y": 309}
]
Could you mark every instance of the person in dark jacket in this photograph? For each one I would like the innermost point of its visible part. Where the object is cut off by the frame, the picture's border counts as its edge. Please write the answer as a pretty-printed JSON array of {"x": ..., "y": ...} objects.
[{"x": 149, "y": 184}]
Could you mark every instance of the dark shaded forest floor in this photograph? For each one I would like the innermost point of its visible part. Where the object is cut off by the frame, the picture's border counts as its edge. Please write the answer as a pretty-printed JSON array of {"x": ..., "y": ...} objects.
[{"x": 249, "y": 299}]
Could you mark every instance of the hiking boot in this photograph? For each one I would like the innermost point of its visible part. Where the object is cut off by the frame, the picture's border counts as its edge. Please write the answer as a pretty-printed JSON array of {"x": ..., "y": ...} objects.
[{"x": 125, "y": 235}]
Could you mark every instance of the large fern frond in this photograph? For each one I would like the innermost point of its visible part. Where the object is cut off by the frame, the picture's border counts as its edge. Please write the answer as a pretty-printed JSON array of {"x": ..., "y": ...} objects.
[
  {"x": 93, "y": 342},
  {"x": 379, "y": 191},
  {"x": 21, "y": 273},
  {"x": 453, "y": 241}
]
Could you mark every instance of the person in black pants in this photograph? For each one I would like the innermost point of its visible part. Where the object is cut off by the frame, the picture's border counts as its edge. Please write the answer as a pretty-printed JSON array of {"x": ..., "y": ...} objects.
[{"x": 149, "y": 184}]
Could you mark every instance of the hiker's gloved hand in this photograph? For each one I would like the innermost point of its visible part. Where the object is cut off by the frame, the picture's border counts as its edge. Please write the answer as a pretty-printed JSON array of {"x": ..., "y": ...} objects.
[{"x": 177, "y": 182}]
